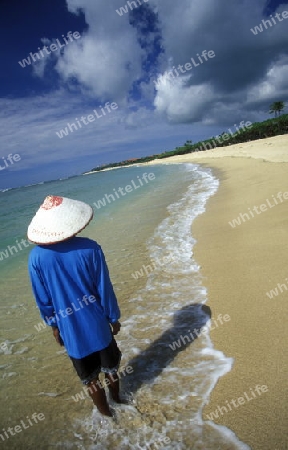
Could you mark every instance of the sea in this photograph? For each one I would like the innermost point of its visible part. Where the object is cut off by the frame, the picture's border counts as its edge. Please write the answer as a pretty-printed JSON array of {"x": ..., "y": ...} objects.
[{"x": 143, "y": 220}]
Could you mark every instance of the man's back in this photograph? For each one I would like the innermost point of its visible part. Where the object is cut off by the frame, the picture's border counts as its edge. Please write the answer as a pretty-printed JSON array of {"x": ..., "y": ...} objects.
[{"x": 73, "y": 290}]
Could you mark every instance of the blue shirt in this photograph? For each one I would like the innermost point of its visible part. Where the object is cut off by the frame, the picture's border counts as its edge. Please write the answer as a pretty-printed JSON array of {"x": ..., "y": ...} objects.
[{"x": 73, "y": 291}]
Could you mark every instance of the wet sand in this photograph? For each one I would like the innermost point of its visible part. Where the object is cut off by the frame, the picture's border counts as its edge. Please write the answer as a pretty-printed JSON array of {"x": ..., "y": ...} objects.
[{"x": 239, "y": 266}]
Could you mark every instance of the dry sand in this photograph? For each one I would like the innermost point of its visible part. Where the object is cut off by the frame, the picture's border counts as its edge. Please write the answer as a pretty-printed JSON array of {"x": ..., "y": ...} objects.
[{"x": 239, "y": 266}]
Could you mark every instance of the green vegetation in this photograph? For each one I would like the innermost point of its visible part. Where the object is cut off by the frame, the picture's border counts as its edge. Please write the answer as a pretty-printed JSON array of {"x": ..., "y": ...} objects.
[
  {"x": 277, "y": 108},
  {"x": 258, "y": 130}
]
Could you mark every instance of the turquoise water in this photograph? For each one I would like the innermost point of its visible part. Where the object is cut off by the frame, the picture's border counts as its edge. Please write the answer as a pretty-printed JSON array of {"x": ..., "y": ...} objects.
[
  {"x": 146, "y": 237},
  {"x": 19, "y": 205}
]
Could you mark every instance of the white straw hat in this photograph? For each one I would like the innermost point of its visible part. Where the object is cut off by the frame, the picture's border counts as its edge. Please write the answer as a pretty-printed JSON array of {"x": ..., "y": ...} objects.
[{"x": 58, "y": 219}]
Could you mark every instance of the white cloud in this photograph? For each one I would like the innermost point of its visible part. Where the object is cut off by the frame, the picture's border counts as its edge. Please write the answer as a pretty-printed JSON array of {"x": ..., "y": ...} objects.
[
  {"x": 107, "y": 58},
  {"x": 273, "y": 85},
  {"x": 182, "y": 103},
  {"x": 242, "y": 62},
  {"x": 29, "y": 129},
  {"x": 106, "y": 61},
  {"x": 113, "y": 54}
]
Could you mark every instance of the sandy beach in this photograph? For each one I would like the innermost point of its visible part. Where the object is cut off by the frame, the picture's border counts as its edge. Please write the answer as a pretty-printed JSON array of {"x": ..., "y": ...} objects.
[{"x": 240, "y": 265}]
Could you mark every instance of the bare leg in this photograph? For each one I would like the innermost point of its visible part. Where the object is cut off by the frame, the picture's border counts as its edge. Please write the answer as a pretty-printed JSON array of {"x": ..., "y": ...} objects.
[
  {"x": 97, "y": 393},
  {"x": 113, "y": 385}
]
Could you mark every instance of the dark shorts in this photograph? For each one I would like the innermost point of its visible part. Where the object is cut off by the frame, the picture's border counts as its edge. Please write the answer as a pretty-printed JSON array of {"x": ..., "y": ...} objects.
[{"x": 106, "y": 360}]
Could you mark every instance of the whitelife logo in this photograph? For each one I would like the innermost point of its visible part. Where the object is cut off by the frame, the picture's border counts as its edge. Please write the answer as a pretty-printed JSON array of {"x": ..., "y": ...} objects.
[
  {"x": 12, "y": 248},
  {"x": 66, "y": 312},
  {"x": 278, "y": 290},
  {"x": 22, "y": 426},
  {"x": 53, "y": 47},
  {"x": 263, "y": 207},
  {"x": 124, "y": 9},
  {"x": 9, "y": 160},
  {"x": 188, "y": 338},
  {"x": 156, "y": 264},
  {"x": 238, "y": 402},
  {"x": 224, "y": 136},
  {"x": 3, "y": 347},
  {"x": 128, "y": 188},
  {"x": 271, "y": 23},
  {"x": 162, "y": 78},
  {"x": 91, "y": 118},
  {"x": 105, "y": 383}
]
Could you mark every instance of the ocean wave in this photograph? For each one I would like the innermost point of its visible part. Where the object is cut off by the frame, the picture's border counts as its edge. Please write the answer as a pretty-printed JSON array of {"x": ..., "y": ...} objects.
[{"x": 171, "y": 386}]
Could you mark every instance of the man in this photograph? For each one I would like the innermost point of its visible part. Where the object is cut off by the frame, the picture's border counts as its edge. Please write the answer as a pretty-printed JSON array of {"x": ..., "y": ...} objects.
[{"x": 72, "y": 288}]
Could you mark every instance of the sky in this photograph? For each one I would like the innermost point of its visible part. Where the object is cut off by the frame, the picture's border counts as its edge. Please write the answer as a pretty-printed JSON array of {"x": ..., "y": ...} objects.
[{"x": 130, "y": 82}]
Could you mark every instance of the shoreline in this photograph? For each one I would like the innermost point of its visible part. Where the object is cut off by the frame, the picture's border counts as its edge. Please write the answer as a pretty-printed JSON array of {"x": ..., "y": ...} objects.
[
  {"x": 112, "y": 168},
  {"x": 239, "y": 266},
  {"x": 258, "y": 149}
]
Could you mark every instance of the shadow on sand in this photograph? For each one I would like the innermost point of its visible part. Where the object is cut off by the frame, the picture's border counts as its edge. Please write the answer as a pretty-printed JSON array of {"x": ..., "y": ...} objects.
[{"x": 150, "y": 362}]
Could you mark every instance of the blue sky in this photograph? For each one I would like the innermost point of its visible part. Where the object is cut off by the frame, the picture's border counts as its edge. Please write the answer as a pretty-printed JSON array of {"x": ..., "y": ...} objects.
[{"x": 116, "y": 58}]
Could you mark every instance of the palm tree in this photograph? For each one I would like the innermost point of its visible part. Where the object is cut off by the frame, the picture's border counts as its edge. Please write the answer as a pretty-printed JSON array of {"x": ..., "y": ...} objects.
[{"x": 276, "y": 108}]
